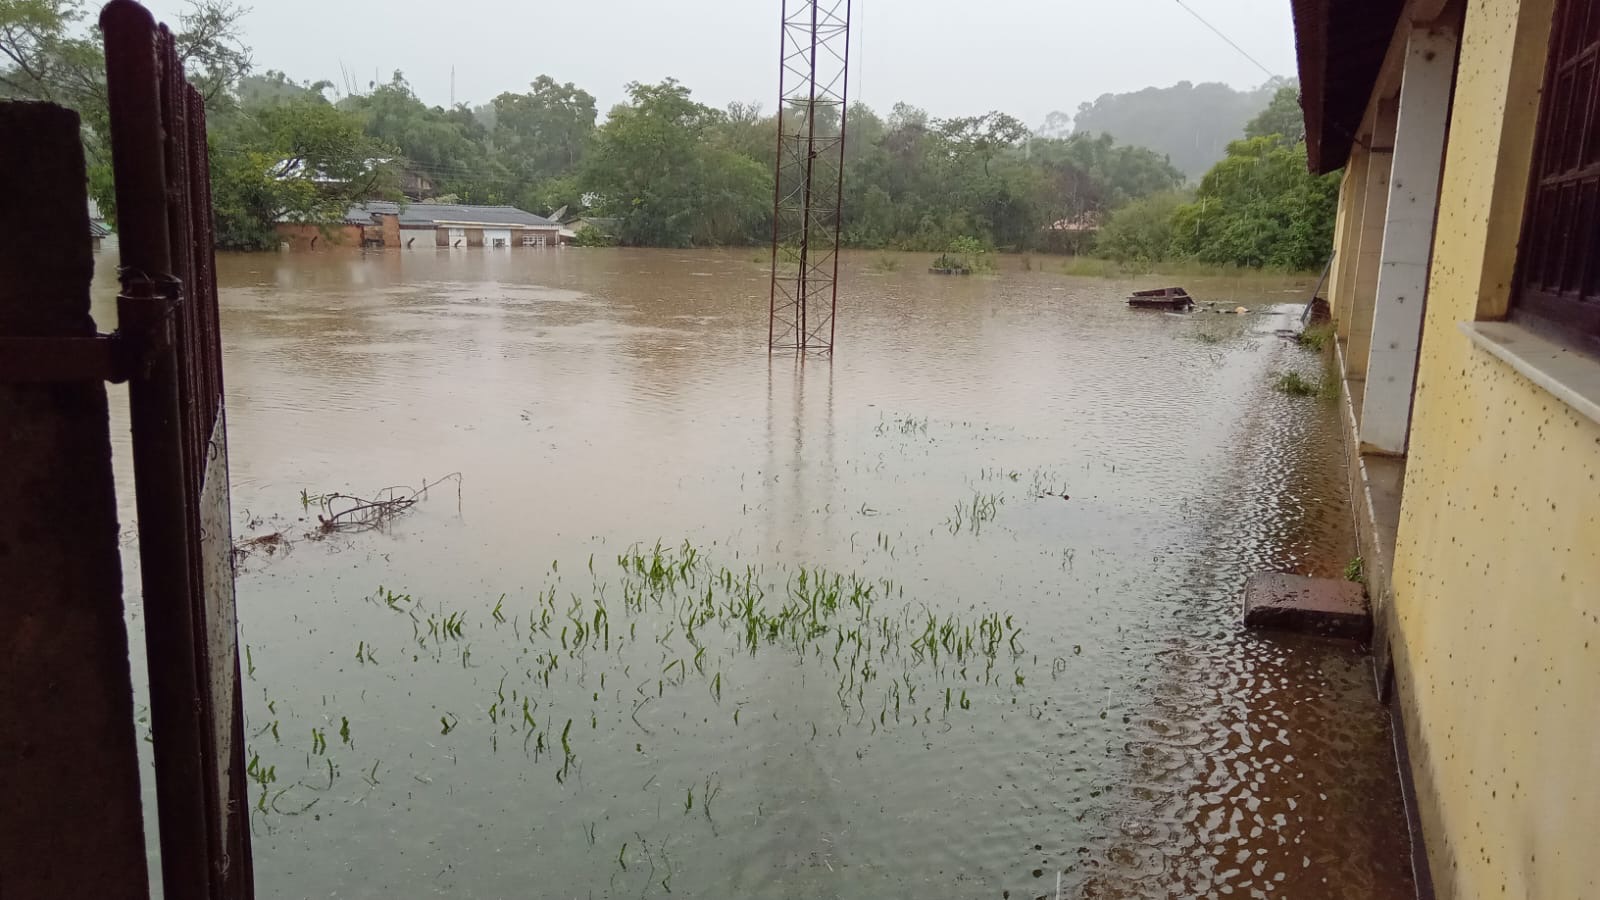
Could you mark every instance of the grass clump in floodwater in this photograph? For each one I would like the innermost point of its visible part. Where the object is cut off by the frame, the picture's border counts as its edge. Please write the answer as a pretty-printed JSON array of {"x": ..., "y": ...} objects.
[
  {"x": 1355, "y": 570},
  {"x": 908, "y": 425},
  {"x": 972, "y": 515},
  {"x": 1316, "y": 337},
  {"x": 1296, "y": 385},
  {"x": 885, "y": 263}
]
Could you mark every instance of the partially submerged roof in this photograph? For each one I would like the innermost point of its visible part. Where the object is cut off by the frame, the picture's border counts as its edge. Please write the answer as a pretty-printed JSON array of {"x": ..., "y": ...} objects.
[
  {"x": 426, "y": 215},
  {"x": 1341, "y": 45}
]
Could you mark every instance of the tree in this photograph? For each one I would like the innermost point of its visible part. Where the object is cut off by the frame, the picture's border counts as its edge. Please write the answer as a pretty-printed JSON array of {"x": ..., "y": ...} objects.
[
  {"x": 981, "y": 137},
  {"x": 1090, "y": 174},
  {"x": 48, "y": 56},
  {"x": 211, "y": 48},
  {"x": 652, "y": 168},
  {"x": 1056, "y": 125},
  {"x": 450, "y": 147},
  {"x": 49, "y": 52},
  {"x": 300, "y": 160},
  {"x": 1260, "y": 206},
  {"x": 1141, "y": 231},
  {"x": 1282, "y": 117},
  {"x": 273, "y": 87},
  {"x": 542, "y": 134}
]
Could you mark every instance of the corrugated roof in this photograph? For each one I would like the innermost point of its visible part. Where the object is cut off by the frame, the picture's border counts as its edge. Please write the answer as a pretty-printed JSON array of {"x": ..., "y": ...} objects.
[
  {"x": 1341, "y": 45},
  {"x": 424, "y": 215}
]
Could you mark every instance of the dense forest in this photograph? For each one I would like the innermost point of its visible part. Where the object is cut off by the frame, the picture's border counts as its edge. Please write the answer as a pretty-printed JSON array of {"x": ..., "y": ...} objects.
[{"x": 675, "y": 172}]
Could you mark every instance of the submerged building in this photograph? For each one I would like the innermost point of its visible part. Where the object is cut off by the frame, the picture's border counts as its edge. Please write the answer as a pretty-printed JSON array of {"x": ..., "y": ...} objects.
[
  {"x": 417, "y": 226},
  {"x": 1465, "y": 289}
]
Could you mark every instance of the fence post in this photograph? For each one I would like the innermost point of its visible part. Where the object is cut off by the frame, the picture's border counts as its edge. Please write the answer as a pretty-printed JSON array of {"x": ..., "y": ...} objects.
[{"x": 70, "y": 823}]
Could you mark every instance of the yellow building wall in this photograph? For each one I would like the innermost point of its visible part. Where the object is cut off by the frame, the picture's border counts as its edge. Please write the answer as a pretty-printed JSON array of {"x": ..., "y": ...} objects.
[
  {"x": 1496, "y": 636},
  {"x": 1346, "y": 240}
]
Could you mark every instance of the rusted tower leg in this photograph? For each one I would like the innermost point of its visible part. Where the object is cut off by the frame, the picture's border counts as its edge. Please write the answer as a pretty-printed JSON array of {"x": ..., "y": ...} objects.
[{"x": 808, "y": 184}]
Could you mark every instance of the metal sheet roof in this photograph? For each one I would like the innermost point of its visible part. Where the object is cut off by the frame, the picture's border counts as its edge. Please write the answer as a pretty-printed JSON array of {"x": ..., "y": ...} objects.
[{"x": 426, "y": 215}]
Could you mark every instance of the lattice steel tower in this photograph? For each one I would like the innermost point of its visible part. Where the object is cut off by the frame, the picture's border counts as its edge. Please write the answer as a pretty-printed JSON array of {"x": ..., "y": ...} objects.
[{"x": 808, "y": 185}]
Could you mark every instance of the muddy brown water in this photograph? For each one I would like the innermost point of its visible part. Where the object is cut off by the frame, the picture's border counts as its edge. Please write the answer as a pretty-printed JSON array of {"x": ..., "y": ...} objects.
[{"x": 529, "y": 706}]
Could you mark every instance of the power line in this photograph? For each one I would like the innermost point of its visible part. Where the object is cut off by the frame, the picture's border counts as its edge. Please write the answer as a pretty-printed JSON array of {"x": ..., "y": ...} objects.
[{"x": 1218, "y": 32}]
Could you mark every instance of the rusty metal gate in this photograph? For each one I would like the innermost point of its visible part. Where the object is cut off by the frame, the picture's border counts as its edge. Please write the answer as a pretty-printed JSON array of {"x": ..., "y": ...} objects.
[{"x": 168, "y": 302}]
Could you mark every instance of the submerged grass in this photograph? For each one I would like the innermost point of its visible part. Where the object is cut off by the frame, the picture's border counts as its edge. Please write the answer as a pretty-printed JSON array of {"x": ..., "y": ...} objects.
[
  {"x": 683, "y": 625},
  {"x": 974, "y": 514}
]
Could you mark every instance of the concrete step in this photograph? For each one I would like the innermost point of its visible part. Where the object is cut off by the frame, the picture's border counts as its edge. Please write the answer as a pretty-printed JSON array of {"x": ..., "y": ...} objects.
[{"x": 1324, "y": 606}]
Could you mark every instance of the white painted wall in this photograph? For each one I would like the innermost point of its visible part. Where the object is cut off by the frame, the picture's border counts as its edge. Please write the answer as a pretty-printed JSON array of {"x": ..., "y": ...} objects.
[{"x": 1407, "y": 238}]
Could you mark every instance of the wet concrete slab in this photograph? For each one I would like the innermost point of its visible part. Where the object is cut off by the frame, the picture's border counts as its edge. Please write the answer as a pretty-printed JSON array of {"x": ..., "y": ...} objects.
[{"x": 1325, "y": 606}]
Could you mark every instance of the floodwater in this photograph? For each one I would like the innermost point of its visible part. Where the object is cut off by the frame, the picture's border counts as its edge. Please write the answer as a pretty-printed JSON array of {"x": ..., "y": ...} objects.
[{"x": 954, "y": 614}]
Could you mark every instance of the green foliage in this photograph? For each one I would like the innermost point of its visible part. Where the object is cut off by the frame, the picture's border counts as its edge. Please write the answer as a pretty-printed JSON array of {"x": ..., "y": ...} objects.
[
  {"x": 674, "y": 172},
  {"x": 1191, "y": 124},
  {"x": 1316, "y": 337},
  {"x": 49, "y": 51},
  {"x": 589, "y": 236},
  {"x": 1356, "y": 570},
  {"x": 973, "y": 253},
  {"x": 654, "y": 167},
  {"x": 1141, "y": 231},
  {"x": 449, "y": 147},
  {"x": 1296, "y": 385},
  {"x": 965, "y": 255},
  {"x": 274, "y": 87},
  {"x": 1282, "y": 117},
  {"x": 542, "y": 134},
  {"x": 1260, "y": 207},
  {"x": 298, "y": 159},
  {"x": 47, "y": 54}
]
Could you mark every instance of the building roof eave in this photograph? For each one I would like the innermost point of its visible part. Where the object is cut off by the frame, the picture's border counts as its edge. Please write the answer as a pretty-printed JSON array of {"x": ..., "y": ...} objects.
[
  {"x": 501, "y": 226},
  {"x": 1341, "y": 45}
]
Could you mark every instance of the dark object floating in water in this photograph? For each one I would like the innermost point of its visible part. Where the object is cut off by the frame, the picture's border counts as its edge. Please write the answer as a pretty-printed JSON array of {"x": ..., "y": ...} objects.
[{"x": 1161, "y": 298}]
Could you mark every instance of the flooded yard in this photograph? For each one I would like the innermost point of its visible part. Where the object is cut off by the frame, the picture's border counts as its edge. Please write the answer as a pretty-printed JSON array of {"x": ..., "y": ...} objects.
[{"x": 954, "y": 614}]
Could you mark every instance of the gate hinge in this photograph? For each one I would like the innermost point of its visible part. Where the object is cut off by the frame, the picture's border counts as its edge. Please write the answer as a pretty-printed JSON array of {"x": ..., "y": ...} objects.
[{"x": 44, "y": 360}]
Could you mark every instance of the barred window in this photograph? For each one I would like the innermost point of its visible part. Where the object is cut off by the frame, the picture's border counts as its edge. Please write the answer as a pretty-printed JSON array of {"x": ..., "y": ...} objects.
[{"x": 1558, "y": 275}]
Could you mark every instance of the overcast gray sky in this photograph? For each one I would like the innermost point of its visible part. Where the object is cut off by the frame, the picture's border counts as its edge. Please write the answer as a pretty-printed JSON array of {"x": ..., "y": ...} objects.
[{"x": 952, "y": 57}]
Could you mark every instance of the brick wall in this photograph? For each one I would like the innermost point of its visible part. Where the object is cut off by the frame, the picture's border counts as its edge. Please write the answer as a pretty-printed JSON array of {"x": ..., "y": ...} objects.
[{"x": 309, "y": 237}]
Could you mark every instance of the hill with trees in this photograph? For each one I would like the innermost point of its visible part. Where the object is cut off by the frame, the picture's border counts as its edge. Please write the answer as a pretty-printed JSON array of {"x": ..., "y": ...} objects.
[
  {"x": 1259, "y": 206},
  {"x": 1191, "y": 124}
]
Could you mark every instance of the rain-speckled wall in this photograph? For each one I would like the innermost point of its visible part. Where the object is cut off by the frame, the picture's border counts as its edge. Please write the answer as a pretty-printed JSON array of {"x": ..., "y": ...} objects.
[{"x": 1496, "y": 579}]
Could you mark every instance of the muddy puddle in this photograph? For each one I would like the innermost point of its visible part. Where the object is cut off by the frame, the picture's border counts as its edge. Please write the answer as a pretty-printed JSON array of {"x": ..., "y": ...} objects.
[{"x": 952, "y": 615}]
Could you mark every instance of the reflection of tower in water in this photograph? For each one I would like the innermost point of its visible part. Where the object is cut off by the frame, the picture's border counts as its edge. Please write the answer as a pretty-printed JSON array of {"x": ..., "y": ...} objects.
[{"x": 799, "y": 477}]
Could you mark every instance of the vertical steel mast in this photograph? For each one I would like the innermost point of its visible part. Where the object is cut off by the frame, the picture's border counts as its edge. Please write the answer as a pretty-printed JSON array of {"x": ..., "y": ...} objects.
[{"x": 808, "y": 184}]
